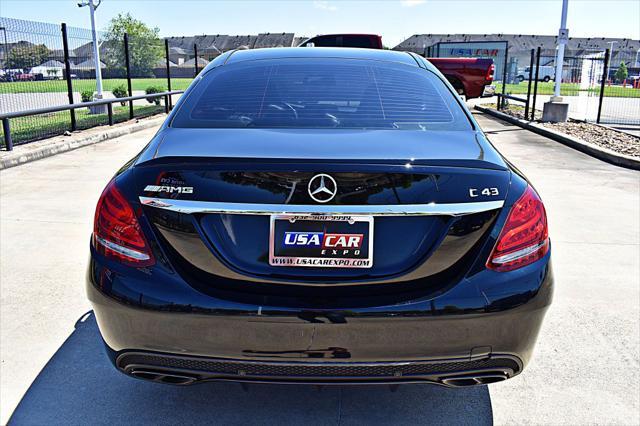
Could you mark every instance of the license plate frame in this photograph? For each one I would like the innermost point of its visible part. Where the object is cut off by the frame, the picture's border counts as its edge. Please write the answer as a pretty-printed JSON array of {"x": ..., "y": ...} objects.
[{"x": 331, "y": 260}]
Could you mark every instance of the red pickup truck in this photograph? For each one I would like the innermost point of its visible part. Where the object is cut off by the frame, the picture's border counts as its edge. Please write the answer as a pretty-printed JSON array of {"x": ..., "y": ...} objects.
[{"x": 471, "y": 77}]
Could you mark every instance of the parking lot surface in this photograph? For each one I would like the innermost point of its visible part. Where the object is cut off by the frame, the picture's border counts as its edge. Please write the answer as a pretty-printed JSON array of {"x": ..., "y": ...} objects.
[{"x": 586, "y": 368}]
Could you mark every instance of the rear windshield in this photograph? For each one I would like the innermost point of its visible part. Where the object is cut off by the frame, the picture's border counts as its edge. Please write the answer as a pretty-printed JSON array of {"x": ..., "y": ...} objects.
[{"x": 321, "y": 93}]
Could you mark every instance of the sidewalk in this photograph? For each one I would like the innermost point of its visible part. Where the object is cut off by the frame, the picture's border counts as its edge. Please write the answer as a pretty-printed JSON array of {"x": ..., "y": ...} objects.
[{"x": 46, "y": 219}]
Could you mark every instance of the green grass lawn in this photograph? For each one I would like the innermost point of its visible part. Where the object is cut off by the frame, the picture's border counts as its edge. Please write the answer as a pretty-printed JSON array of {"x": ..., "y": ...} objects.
[
  {"x": 570, "y": 89},
  {"x": 543, "y": 88},
  {"x": 25, "y": 129},
  {"x": 49, "y": 86}
]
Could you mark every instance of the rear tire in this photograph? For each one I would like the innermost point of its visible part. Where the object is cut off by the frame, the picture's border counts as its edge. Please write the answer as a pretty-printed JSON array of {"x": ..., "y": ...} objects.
[
  {"x": 520, "y": 78},
  {"x": 546, "y": 79},
  {"x": 457, "y": 85}
]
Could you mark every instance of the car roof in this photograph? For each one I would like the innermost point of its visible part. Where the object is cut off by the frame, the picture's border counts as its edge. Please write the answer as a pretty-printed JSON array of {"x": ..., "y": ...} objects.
[{"x": 314, "y": 52}]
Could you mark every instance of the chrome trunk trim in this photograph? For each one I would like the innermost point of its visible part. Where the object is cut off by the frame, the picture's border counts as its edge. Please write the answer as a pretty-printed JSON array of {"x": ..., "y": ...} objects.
[{"x": 432, "y": 209}]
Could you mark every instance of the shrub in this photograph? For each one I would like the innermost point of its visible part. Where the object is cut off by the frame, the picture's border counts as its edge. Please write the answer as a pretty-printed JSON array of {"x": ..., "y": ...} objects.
[
  {"x": 120, "y": 92},
  {"x": 151, "y": 90},
  {"x": 86, "y": 95},
  {"x": 621, "y": 73}
]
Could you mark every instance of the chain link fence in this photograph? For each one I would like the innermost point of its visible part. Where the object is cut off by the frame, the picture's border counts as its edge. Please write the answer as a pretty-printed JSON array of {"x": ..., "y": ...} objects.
[
  {"x": 32, "y": 76},
  {"x": 600, "y": 86},
  {"x": 45, "y": 65}
]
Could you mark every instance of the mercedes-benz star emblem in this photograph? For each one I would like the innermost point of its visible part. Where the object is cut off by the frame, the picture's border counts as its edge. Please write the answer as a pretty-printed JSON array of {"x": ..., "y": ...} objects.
[{"x": 322, "y": 188}]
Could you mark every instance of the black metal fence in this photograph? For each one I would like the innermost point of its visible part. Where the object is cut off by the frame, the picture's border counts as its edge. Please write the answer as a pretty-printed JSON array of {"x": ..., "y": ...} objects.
[
  {"x": 103, "y": 104},
  {"x": 47, "y": 66},
  {"x": 599, "y": 86}
]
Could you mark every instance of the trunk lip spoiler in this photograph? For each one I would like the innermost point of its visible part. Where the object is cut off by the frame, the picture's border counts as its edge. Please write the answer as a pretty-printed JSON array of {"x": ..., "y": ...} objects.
[{"x": 430, "y": 209}]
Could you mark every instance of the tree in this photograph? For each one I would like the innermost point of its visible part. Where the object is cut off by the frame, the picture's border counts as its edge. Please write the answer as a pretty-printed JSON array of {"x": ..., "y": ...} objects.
[
  {"x": 27, "y": 56},
  {"x": 145, "y": 47},
  {"x": 621, "y": 73}
]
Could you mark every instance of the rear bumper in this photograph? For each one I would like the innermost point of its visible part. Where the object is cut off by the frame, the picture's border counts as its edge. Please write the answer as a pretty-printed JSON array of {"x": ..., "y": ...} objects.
[
  {"x": 465, "y": 331},
  {"x": 179, "y": 369},
  {"x": 488, "y": 91}
]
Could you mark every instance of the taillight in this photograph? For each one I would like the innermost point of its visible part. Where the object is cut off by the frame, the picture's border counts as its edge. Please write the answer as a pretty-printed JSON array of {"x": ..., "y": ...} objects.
[
  {"x": 524, "y": 237},
  {"x": 489, "y": 76},
  {"x": 116, "y": 230}
]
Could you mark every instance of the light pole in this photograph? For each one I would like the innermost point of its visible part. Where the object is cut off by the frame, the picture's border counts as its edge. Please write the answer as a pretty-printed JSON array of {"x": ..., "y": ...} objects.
[
  {"x": 563, "y": 37},
  {"x": 611, "y": 43},
  {"x": 93, "y": 5},
  {"x": 555, "y": 110}
]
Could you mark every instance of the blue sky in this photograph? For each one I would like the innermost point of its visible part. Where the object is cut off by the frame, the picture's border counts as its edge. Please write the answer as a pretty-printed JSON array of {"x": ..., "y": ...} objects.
[{"x": 394, "y": 20}]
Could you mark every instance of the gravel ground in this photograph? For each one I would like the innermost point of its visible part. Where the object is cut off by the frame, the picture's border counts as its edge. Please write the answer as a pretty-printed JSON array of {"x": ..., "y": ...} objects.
[
  {"x": 519, "y": 113},
  {"x": 515, "y": 111},
  {"x": 619, "y": 142}
]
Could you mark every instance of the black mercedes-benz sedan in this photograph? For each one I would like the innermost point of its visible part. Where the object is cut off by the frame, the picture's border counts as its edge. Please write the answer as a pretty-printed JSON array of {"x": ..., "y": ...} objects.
[{"x": 326, "y": 216}]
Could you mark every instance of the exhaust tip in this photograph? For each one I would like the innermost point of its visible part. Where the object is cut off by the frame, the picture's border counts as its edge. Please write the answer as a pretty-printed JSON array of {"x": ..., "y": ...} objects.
[
  {"x": 163, "y": 377},
  {"x": 492, "y": 379},
  {"x": 476, "y": 379}
]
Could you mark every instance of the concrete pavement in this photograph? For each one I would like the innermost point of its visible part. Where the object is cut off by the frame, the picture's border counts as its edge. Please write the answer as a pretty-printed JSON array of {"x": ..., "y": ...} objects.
[
  {"x": 46, "y": 212},
  {"x": 586, "y": 368}
]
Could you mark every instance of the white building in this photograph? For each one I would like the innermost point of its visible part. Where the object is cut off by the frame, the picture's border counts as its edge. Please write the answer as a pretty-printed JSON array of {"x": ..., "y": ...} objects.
[{"x": 51, "y": 69}]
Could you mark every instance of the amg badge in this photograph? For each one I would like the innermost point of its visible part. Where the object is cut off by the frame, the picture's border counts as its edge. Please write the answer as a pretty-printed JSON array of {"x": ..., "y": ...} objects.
[{"x": 169, "y": 189}]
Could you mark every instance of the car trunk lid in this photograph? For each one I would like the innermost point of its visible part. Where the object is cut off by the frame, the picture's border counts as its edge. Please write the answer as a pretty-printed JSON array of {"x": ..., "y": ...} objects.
[{"x": 213, "y": 202}]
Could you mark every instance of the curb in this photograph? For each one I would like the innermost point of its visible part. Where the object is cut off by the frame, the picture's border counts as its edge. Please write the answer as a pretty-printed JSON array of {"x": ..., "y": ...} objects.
[
  {"x": 595, "y": 151},
  {"x": 49, "y": 147}
]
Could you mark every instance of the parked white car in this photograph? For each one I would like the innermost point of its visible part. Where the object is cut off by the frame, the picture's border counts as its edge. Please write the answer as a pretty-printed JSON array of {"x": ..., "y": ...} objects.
[{"x": 545, "y": 73}]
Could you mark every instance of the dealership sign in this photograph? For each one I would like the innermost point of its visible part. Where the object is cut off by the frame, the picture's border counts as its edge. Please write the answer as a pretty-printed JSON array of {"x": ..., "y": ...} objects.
[
  {"x": 477, "y": 53},
  {"x": 495, "y": 50}
]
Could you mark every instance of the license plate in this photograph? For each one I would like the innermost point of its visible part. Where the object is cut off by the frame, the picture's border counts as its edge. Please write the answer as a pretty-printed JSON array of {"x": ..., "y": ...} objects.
[{"x": 321, "y": 241}]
